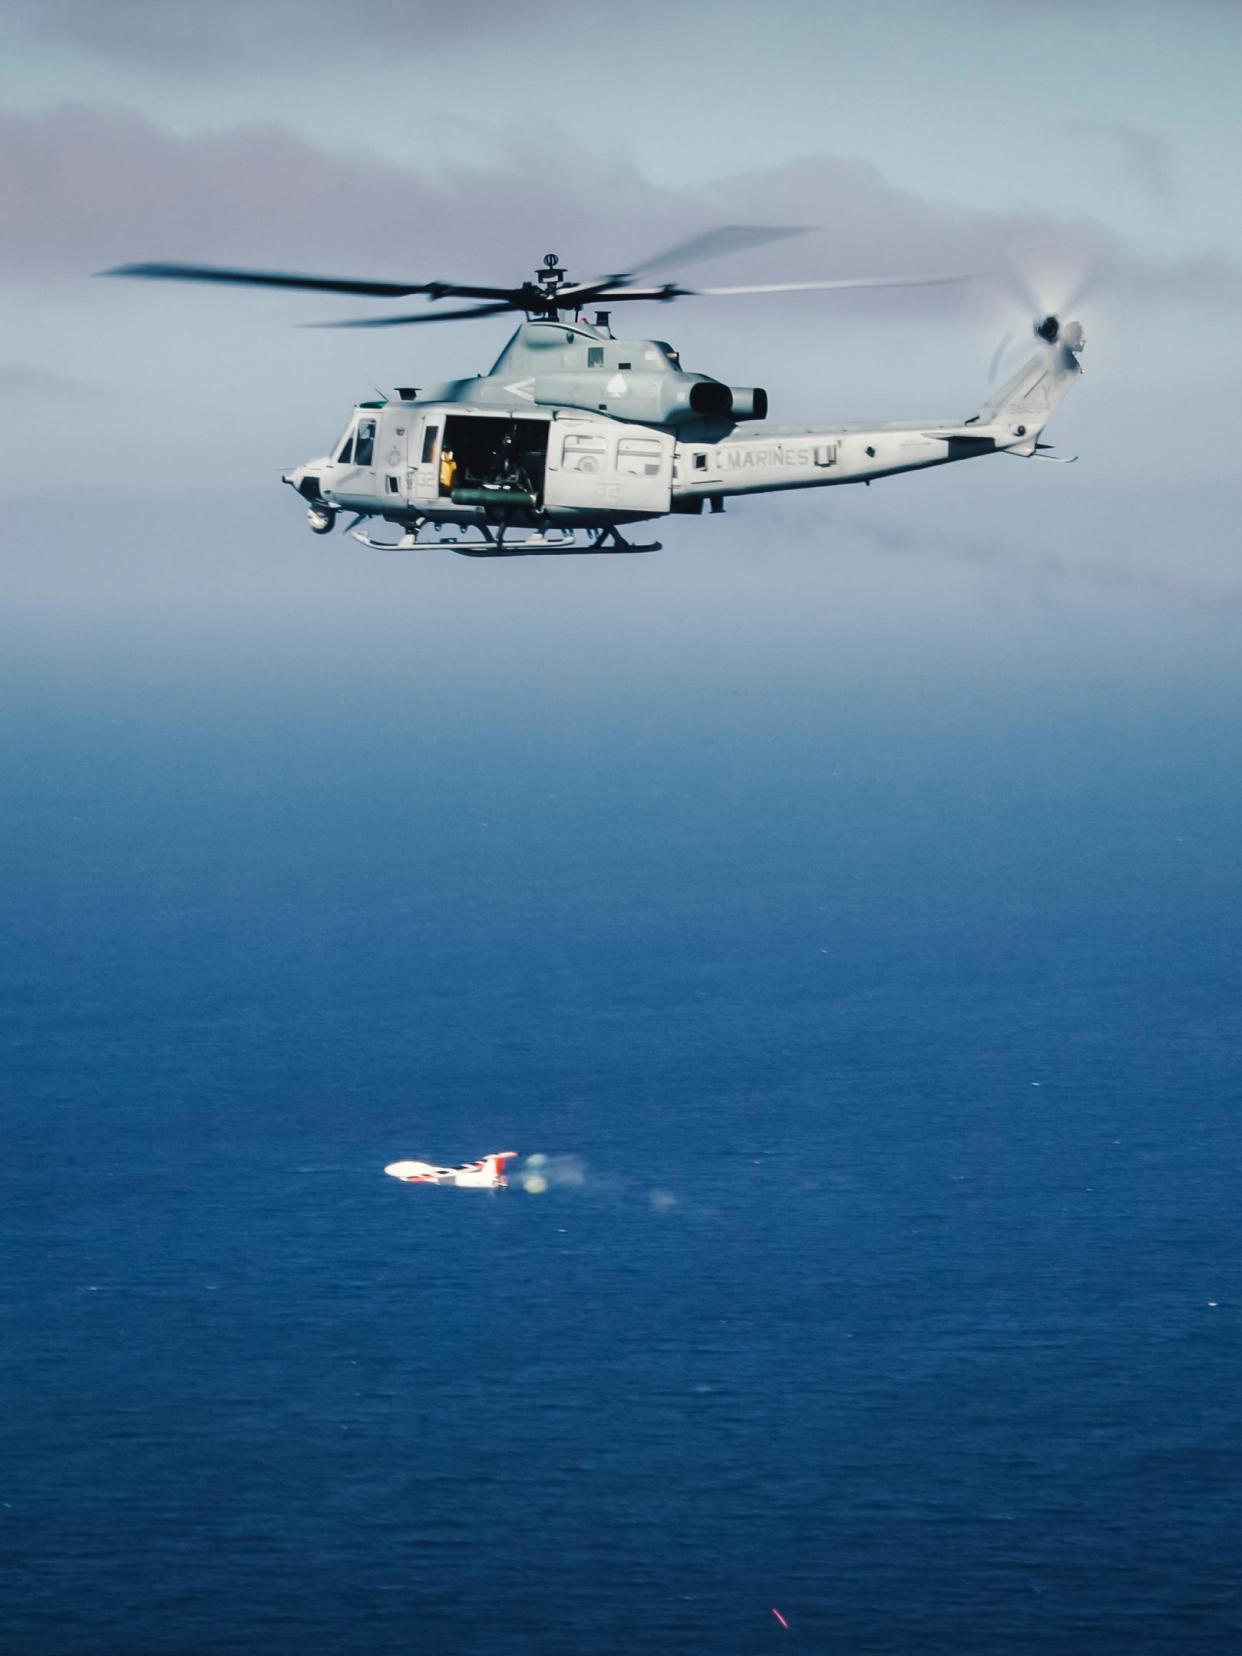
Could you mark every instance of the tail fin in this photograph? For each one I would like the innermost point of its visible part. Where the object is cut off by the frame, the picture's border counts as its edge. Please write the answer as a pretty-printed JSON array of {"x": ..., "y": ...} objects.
[
  {"x": 1030, "y": 398},
  {"x": 496, "y": 1163}
]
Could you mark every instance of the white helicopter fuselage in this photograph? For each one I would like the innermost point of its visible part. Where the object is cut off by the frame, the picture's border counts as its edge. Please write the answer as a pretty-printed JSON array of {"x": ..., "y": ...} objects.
[
  {"x": 598, "y": 469},
  {"x": 499, "y": 462}
]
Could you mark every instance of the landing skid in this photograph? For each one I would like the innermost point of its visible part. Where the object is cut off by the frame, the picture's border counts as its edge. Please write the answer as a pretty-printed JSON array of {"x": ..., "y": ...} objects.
[{"x": 554, "y": 544}]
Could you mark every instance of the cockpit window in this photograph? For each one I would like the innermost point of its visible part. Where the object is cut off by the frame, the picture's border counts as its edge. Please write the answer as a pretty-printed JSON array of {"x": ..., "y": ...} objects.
[
  {"x": 364, "y": 443},
  {"x": 344, "y": 447}
]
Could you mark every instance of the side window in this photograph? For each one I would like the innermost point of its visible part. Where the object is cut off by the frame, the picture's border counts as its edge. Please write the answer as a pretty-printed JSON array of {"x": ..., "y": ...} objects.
[
  {"x": 431, "y": 435},
  {"x": 638, "y": 457},
  {"x": 364, "y": 444},
  {"x": 595, "y": 356},
  {"x": 583, "y": 453}
]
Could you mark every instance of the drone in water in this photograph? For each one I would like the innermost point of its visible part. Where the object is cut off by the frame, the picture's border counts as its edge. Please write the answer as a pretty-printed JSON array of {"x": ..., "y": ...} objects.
[{"x": 575, "y": 434}]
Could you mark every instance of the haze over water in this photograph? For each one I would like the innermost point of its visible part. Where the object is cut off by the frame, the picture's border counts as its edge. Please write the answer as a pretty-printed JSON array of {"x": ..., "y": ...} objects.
[{"x": 863, "y": 920}]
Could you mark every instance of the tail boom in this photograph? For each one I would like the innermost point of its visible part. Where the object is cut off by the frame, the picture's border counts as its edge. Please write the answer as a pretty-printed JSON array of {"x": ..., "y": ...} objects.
[{"x": 760, "y": 460}]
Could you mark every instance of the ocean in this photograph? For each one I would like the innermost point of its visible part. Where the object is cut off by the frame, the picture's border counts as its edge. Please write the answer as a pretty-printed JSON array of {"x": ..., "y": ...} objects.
[{"x": 866, "y": 958}]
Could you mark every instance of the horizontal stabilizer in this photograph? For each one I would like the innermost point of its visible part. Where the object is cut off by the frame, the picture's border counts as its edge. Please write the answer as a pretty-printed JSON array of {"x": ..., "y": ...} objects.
[{"x": 965, "y": 434}]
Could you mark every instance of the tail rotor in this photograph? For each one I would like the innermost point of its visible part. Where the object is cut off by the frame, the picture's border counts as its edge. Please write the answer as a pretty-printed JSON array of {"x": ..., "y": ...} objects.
[{"x": 1038, "y": 292}]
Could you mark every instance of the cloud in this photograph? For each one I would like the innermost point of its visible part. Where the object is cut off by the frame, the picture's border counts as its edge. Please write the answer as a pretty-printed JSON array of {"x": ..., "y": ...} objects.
[
  {"x": 1145, "y": 155},
  {"x": 1101, "y": 568},
  {"x": 82, "y": 188},
  {"x": 180, "y": 35}
]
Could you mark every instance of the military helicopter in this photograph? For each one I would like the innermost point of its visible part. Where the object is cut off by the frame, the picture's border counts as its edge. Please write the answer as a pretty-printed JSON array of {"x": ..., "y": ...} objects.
[{"x": 575, "y": 434}]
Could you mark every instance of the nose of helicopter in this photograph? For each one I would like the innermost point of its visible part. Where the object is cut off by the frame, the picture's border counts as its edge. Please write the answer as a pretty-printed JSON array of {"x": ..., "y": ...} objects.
[{"x": 294, "y": 477}]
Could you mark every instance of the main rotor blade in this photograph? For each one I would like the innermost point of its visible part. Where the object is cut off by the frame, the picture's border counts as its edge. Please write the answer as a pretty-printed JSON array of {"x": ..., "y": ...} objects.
[
  {"x": 600, "y": 294},
  {"x": 420, "y": 316},
  {"x": 843, "y": 282},
  {"x": 714, "y": 244},
  {"x": 672, "y": 290},
  {"x": 163, "y": 272},
  {"x": 708, "y": 244}
]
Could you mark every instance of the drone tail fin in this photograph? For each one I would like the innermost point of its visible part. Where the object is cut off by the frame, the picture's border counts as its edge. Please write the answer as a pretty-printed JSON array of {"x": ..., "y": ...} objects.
[{"x": 1027, "y": 402}]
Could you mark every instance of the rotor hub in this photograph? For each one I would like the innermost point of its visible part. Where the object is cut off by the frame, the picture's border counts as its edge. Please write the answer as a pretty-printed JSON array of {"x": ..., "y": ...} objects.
[{"x": 551, "y": 275}]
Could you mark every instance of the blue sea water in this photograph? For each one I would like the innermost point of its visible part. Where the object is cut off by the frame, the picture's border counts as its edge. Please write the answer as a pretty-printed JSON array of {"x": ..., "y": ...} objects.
[{"x": 885, "y": 989}]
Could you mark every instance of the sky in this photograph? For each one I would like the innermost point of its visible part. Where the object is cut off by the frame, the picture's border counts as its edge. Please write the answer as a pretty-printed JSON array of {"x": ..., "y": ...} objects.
[{"x": 419, "y": 141}]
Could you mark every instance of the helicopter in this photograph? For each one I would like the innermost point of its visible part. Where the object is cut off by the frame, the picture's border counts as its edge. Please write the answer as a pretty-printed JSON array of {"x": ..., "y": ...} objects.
[{"x": 574, "y": 435}]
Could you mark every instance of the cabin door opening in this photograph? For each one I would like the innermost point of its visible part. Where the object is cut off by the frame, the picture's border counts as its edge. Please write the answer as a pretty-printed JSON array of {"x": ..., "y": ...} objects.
[{"x": 486, "y": 454}]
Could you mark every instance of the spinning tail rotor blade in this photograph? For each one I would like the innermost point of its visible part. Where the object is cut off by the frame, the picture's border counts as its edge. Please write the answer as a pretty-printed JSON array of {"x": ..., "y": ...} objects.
[
  {"x": 1038, "y": 290},
  {"x": 1052, "y": 281}
]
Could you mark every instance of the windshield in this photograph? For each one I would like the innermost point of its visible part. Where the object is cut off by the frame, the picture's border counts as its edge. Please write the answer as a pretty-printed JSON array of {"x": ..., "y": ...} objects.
[{"x": 340, "y": 450}]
